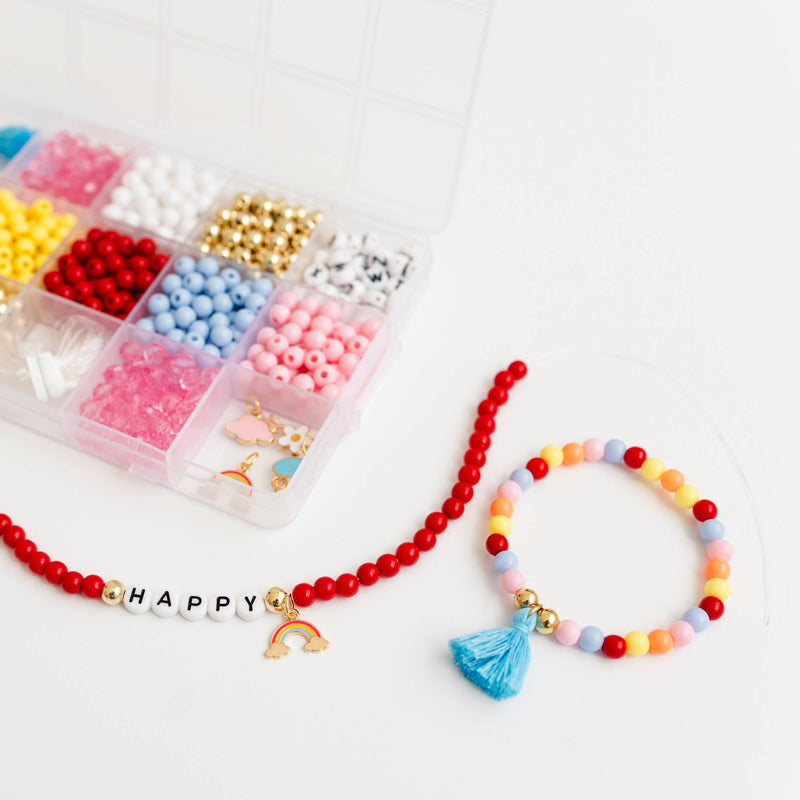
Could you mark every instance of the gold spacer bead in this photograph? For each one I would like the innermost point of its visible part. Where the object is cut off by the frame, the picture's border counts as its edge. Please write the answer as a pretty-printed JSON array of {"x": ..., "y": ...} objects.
[
  {"x": 526, "y": 598},
  {"x": 241, "y": 201},
  {"x": 203, "y": 247},
  {"x": 260, "y": 204},
  {"x": 113, "y": 592},
  {"x": 211, "y": 231},
  {"x": 275, "y": 599},
  {"x": 547, "y": 622},
  {"x": 230, "y": 237},
  {"x": 221, "y": 251},
  {"x": 241, "y": 254},
  {"x": 265, "y": 223},
  {"x": 242, "y": 220},
  {"x": 223, "y": 215},
  {"x": 253, "y": 238},
  {"x": 288, "y": 228}
]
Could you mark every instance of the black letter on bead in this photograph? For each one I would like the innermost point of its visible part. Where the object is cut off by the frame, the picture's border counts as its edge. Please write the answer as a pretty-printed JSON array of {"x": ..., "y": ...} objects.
[
  {"x": 223, "y": 602},
  {"x": 165, "y": 600},
  {"x": 251, "y": 601},
  {"x": 193, "y": 601},
  {"x": 135, "y": 596}
]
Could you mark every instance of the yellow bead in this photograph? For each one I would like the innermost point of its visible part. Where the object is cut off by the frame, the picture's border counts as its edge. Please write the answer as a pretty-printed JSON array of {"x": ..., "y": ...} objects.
[
  {"x": 6, "y": 267},
  {"x": 39, "y": 259},
  {"x": 25, "y": 246},
  {"x": 3, "y": 219},
  {"x": 17, "y": 224},
  {"x": 41, "y": 208},
  {"x": 67, "y": 220},
  {"x": 636, "y": 643},
  {"x": 61, "y": 232},
  {"x": 6, "y": 253},
  {"x": 500, "y": 524},
  {"x": 24, "y": 265},
  {"x": 49, "y": 223},
  {"x": 7, "y": 198},
  {"x": 5, "y": 237},
  {"x": 554, "y": 456},
  {"x": 687, "y": 496},
  {"x": 653, "y": 469},
  {"x": 718, "y": 587},
  {"x": 37, "y": 234},
  {"x": 49, "y": 244}
]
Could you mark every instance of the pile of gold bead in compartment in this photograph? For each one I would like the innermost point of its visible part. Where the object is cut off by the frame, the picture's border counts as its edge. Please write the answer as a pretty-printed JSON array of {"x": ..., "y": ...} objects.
[{"x": 259, "y": 232}]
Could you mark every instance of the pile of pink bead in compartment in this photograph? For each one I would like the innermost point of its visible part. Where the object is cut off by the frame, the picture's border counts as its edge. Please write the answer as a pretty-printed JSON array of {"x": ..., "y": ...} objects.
[{"x": 306, "y": 345}]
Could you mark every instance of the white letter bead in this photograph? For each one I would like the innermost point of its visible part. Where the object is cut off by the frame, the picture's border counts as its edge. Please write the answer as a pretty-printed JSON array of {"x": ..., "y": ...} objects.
[
  {"x": 193, "y": 606},
  {"x": 137, "y": 599},
  {"x": 250, "y": 607},
  {"x": 222, "y": 607},
  {"x": 375, "y": 298},
  {"x": 316, "y": 275},
  {"x": 342, "y": 274},
  {"x": 165, "y": 602}
]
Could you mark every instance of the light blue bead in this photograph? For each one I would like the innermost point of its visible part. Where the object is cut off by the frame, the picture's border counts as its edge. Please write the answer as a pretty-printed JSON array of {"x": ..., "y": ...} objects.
[
  {"x": 194, "y": 282},
  {"x": 164, "y": 322},
  {"x": 184, "y": 265},
  {"x": 220, "y": 335},
  {"x": 615, "y": 450},
  {"x": 227, "y": 351},
  {"x": 200, "y": 326},
  {"x": 237, "y": 334},
  {"x": 504, "y": 560},
  {"x": 184, "y": 316},
  {"x": 591, "y": 639},
  {"x": 195, "y": 339},
  {"x": 180, "y": 297},
  {"x": 207, "y": 267},
  {"x": 243, "y": 319},
  {"x": 712, "y": 529},
  {"x": 218, "y": 319},
  {"x": 697, "y": 618},
  {"x": 158, "y": 303},
  {"x": 171, "y": 283},
  {"x": 203, "y": 306},
  {"x": 254, "y": 301},
  {"x": 223, "y": 303},
  {"x": 177, "y": 334},
  {"x": 239, "y": 294},
  {"x": 263, "y": 286},
  {"x": 212, "y": 350},
  {"x": 146, "y": 324},
  {"x": 214, "y": 286},
  {"x": 231, "y": 277},
  {"x": 523, "y": 477}
]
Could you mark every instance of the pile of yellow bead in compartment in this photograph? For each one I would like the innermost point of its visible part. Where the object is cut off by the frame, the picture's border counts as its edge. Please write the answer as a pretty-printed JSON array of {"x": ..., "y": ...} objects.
[{"x": 28, "y": 234}]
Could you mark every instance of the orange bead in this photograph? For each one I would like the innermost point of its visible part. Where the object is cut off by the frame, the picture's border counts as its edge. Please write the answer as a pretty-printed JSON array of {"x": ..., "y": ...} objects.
[
  {"x": 717, "y": 568},
  {"x": 661, "y": 641},
  {"x": 573, "y": 454},
  {"x": 672, "y": 480},
  {"x": 501, "y": 507}
]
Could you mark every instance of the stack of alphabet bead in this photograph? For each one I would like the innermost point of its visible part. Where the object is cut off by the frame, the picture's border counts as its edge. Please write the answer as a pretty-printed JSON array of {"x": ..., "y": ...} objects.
[
  {"x": 307, "y": 346},
  {"x": 357, "y": 268},
  {"x": 205, "y": 306}
]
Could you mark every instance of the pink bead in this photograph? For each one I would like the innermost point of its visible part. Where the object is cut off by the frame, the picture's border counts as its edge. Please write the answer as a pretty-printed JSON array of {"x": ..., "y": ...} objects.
[
  {"x": 355, "y": 325},
  {"x": 593, "y": 450},
  {"x": 277, "y": 344},
  {"x": 254, "y": 350},
  {"x": 301, "y": 318},
  {"x": 303, "y": 381},
  {"x": 358, "y": 345},
  {"x": 330, "y": 309},
  {"x": 512, "y": 580},
  {"x": 720, "y": 548},
  {"x": 264, "y": 362},
  {"x": 265, "y": 334},
  {"x": 331, "y": 391},
  {"x": 309, "y": 304},
  {"x": 325, "y": 374},
  {"x": 682, "y": 632},
  {"x": 568, "y": 632},
  {"x": 369, "y": 327},
  {"x": 292, "y": 331},
  {"x": 314, "y": 359},
  {"x": 333, "y": 350},
  {"x": 293, "y": 357},
  {"x": 279, "y": 314},
  {"x": 348, "y": 363},
  {"x": 289, "y": 299},
  {"x": 280, "y": 373},
  {"x": 511, "y": 490},
  {"x": 314, "y": 340},
  {"x": 344, "y": 333},
  {"x": 324, "y": 324}
]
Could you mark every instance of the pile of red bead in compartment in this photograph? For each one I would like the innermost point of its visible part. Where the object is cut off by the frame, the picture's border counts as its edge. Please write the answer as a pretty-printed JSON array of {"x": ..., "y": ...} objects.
[{"x": 107, "y": 271}]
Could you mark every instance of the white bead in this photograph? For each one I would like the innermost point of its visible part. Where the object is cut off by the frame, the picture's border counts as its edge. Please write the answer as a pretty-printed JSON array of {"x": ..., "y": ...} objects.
[
  {"x": 112, "y": 211},
  {"x": 156, "y": 177},
  {"x": 143, "y": 164},
  {"x": 132, "y": 218},
  {"x": 316, "y": 275},
  {"x": 193, "y": 606},
  {"x": 165, "y": 602},
  {"x": 170, "y": 217},
  {"x": 187, "y": 209},
  {"x": 375, "y": 298},
  {"x": 370, "y": 242},
  {"x": 203, "y": 201},
  {"x": 139, "y": 191},
  {"x": 151, "y": 220},
  {"x": 184, "y": 184},
  {"x": 172, "y": 198},
  {"x": 354, "y": 291},
  {"x": 401, "y": 264},
  {"x": 340, "y": 240},
  {"x": 376, "y": 276},
  {"x": 250, "y": 607},
  {"x": 329, "y": 289},
  {"x": 393, "y": 285},
  {"x": 137, "y": 599},
  {"x": 340, "y": 255},
  {"x": 131, "y": 179},
  {"x": 207, "y": 182},
  {"x": 222, "y": 607},
  {"x": 321, "y": 257},
  {"x": 185, "y": 226},
  {"x": 163, "y": 162},
  {"x": 146, "y": 204},
  {"x": 342, "y": 274},
  {"x": 165, "y": 231},
  {"x": 183, "y": 167},
  {"x": 159, "y": 190},
  {"x": 122, "y": 196}
]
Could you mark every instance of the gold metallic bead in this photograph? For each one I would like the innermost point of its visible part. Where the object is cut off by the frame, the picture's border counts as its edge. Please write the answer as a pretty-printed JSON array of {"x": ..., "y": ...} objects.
[
  {"x": 275, "y": 599},
  {"x": 242, "y": 220},
  {"x": 278, "y": 241},
  {"x": 223, "y": 215},
  {"x": 241, "y": 254},
  {"x": 265, "y": 223},
  {"x": 230, "y": 237},
  {"x": 301, "y": 215},
  {"x": 221, "y": 250},
  {"x": 113, "y": 592},
  {"x": 291, "y": 258},
  {"x": 257, "y": 259},
  {"x": 274, "y": 261},
  {"x": 253, "y": 238},
  {"x": 547, "y": 622},
  {"x": 315, "y": 218},
  {"x": 278, "y": 207},
  {"x": 288, "y": 228},
  {"x": 260, "y": 204},
  {"x": 299, "y": 241},
  {"x": 210, "y": 231},
  {"x": 203, "y": 247},
  {"x": 526, "y": 598},
  {"x": 241, "y": 202},
  {"x": 288, "y": 212}
]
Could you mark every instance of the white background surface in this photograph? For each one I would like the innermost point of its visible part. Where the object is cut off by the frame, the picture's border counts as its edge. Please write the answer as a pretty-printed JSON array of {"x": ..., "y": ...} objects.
[{"x": 629, "y": 187}]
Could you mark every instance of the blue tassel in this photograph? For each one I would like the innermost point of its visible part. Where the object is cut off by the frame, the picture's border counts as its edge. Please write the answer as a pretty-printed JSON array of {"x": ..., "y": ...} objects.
[{"x": 497, "y": 660}]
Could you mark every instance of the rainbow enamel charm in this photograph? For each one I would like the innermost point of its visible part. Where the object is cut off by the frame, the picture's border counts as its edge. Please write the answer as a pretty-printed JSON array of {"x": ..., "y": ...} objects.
[{"x": 279, "y": 601}]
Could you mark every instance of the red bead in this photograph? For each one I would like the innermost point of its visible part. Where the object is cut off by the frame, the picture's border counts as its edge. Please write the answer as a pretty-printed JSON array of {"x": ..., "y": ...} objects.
[
  {"x": 425, "y": 539},
  {"x": 4, "y": 521},
  {"x": 81, "y": 249},
  {"x": 12, "y": 535},
  {"x": 82, "y": 291},
  {"x": 146, "y": 247},
  {"x": 104, "y": 286},
  {"x": 139, "y": 263},
  {"x": 114, "y": 302},
  {"x": 634, "y": 457},
  {"x": 94, "y": 235},
  {"x": 453, "y": 508},
  {"x": 114, "y": 262},
  {"x": 24, "y": 550},
  {"x": 485, "y": 425},
  {"x": 504, "y": 379},
  {"x": 111, "y": 235},
  {"x": 537, "y": 467},
  {"x": 125, "y": 278},
  {"x": 143, "y": 280},
  {"x": 469, "y": 474},
  {"x": 497, "y": 394},
  {"x": 73, "y": 275},
  {"x": 407, "y": 554},
  {"x": 71, "y": 582},
  {"x": 347, "y": 584},
  {"x": 368, "y": 574},
  {"x": 55, "y": 571},
  {"x": 713, "y": 606},
  {"x": 105, "y": 247},
  {"x": 92, "y": 586},
  {"x": 158, "y": 261},
  {"x": 614, "y": 646},
  {"x": 518, "y": 369},
  {"x": 480, "y": 440},
  {"x": 496, "y": 542},
  {"x": 125, "y": 245},
  {"x": 436, "y": 521},
  {"x": 53, "y": 280},
  {"x": 325, "y": 588},
  {"x": 487, "y": 408},
  {"x": 95, "y": 268},
  {"x": 67, "y": 260},
  {"x": 95, "y": 303},
  {"x": 64, "y": 291},
  {"x": 463, "y": 492},
  {"x": 389, "y": 565},
  {"x": 703, "y": 510},
  {"x": 475, "y": 457},
  {"x": 38, "y": 562},
  {"x": 303, "y": 595}
]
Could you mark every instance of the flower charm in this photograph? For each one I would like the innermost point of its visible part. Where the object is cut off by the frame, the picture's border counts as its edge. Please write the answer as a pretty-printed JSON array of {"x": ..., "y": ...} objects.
[{"x": 294, "y": 438}]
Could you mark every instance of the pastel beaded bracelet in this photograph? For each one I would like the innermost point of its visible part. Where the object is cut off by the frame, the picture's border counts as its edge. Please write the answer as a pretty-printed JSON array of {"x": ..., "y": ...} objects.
[{"x": 497, "y": 660}]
